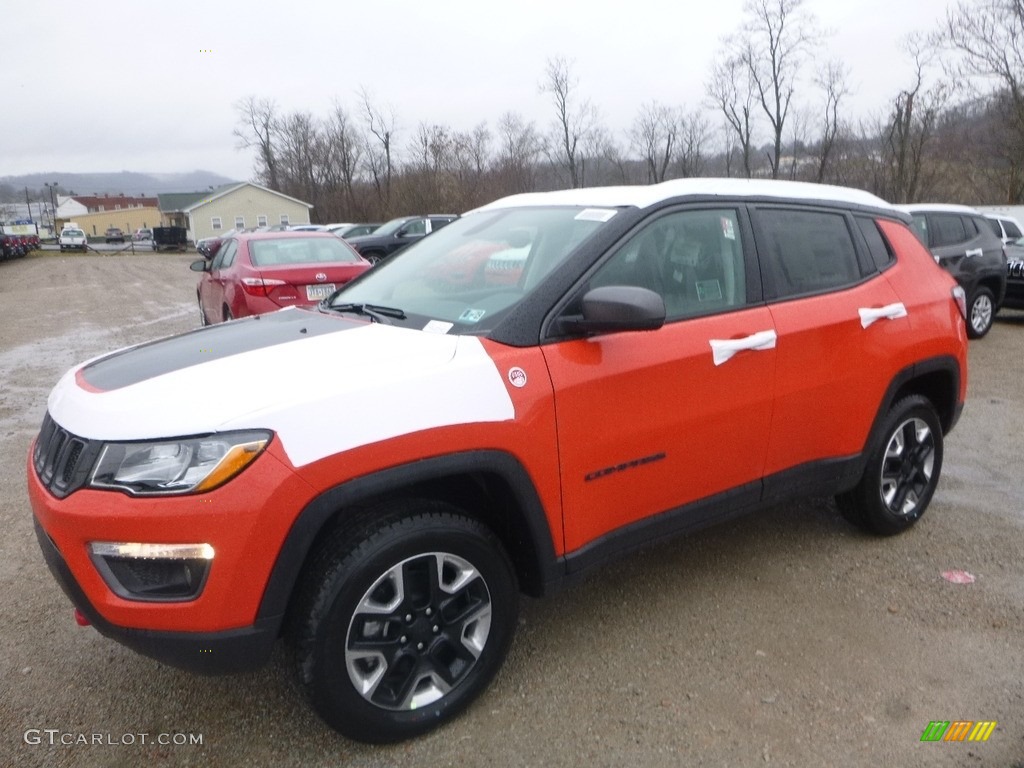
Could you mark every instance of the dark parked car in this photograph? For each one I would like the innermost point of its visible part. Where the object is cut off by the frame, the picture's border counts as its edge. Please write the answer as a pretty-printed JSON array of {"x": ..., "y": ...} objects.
[
  {"x": 349, "y": 231},
  {"x": 397, "y": 234},
  {"x": 11, "y": 247},
  {"x": 114, "y": 235},
  {"x": 1015, "y": 275},
  {"x": 265, "y": 271},
  {"x": 208, "y": 246},
  {"x": 963, "y": 243}
]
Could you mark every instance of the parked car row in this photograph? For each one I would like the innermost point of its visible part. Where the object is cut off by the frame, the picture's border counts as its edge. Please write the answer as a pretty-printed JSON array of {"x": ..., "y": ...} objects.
[{"x": 14, "y": 246}]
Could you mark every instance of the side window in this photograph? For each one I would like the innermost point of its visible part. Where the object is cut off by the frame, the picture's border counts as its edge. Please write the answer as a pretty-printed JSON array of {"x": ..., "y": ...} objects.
[
  {"x": 807, "y": 251},
  {"x": 947, "y": 229},
  {"x": 920, "y": 227},
  {"x": 231, "y": 249},
  {"x": 436, "y": 224},
  {"x": 226, "y": 250},
  {"x": 694, "y": 259},
  {"x": 881, "y": 254},
  {"x": 417, "y": 227},
  {"x": 1012, "y": 230},
  {"x": 997, "y": 230}
]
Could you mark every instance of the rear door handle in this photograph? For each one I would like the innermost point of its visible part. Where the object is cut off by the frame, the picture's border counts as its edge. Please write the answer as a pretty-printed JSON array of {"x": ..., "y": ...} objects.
[
  {"x": 975, "y": 252},
  {"x": 868, "y": 315},
  {"x": 723, "y": 349}
]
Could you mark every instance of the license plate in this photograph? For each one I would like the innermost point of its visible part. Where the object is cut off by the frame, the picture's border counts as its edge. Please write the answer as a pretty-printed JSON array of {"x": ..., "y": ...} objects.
[{"x": 319, "y": 292}]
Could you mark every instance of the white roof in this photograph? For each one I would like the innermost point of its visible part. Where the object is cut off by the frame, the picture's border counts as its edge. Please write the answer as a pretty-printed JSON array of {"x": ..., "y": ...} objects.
[
  {"x": 645, "y": 196},
  {"x": 938, "y": 208}
]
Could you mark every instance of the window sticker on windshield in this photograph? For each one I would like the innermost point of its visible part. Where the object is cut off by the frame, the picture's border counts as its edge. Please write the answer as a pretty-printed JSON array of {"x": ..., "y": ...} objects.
[
  {"x": 595, "y": 214},
  {"x": 728, "y": 229},
  {"x": 472, "y": 315},
  {"x": 438, "y": 326}
]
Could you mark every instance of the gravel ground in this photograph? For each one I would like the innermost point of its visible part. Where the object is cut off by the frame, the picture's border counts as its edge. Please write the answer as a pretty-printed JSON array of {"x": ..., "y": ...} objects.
[{"x": 785, "y": 638}]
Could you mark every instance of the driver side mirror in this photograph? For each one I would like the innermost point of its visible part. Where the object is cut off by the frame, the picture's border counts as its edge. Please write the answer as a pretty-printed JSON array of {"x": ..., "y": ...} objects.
[
  {"x": 614, "y": 308},
  {"x": 199, "y": 266}
]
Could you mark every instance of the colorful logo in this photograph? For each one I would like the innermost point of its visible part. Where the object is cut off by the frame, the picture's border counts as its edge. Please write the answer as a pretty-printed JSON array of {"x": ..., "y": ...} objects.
[{"x": 958, "y": 730}]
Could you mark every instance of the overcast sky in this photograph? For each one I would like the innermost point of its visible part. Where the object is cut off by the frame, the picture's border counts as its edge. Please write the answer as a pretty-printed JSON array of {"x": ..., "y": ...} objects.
[{"x": 111, "y": 85}]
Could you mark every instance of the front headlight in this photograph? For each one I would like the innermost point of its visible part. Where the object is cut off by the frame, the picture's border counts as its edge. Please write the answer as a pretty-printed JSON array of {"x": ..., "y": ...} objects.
[{"x": 185, "y": 465}]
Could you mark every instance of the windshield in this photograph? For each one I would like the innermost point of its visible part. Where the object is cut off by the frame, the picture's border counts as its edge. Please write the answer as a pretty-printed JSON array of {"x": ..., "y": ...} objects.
[{"x": 466, "y": 276}]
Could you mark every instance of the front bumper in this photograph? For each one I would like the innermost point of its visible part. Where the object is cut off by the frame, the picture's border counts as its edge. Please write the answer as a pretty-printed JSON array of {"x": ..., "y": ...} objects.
[
  {"x": 245, "y": 521},
  {"x": 235, "y": 650}
]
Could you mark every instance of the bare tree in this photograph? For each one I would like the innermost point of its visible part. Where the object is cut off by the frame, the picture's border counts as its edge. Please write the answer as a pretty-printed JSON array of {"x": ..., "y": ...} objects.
[
  {"x": 345, "y": 149},
  {"x": 909, "y": 129},
  {"x": 379, "y": 148},
  {"x": 731, "y": 89},
  {"x": 691, "y": 158},
  {"x": 776, "y": 39},
  {"x": 257, "y": 123},
  {"x": 519, "y": 148},
  {"x": 575, "y": 119},
  {"x": 988, "y": 36},
  {"x": 832, "y": 79},
  {"x": 655, "y": 135}
]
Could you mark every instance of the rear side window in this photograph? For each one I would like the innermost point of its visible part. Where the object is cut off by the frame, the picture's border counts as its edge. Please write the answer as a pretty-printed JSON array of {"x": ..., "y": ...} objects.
[
  {"x": 881, "y": 254},
  {"x": 807, "y": 251},
  {"x": 1012, "y": 230},
  {"x": 948, "y": 229}
]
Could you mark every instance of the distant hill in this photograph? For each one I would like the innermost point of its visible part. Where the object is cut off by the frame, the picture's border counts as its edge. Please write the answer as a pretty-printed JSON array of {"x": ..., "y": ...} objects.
[{"x": 12, "y": 188}]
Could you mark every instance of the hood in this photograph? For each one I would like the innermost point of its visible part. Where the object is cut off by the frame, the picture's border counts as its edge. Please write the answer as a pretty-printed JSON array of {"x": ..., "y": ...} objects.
[{"x": 322, "y": 383}]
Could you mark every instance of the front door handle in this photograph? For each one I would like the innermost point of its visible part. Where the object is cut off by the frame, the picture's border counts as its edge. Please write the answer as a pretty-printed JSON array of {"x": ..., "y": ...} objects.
[
  {"x": 868, "y": 315},
  {"x": 723, "y": 349}
]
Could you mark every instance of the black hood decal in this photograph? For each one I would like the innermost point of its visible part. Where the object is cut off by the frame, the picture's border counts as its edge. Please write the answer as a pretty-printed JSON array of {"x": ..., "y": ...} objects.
[{"x": 156, "y": 358}]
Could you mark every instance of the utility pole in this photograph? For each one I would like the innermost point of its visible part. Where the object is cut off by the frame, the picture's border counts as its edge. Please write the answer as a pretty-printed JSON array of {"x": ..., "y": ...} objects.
[{"x": 53, "y": 207}]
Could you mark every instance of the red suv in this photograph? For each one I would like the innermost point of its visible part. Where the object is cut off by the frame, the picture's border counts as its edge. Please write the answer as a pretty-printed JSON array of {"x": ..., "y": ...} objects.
[{"x": 377, "y": 479}]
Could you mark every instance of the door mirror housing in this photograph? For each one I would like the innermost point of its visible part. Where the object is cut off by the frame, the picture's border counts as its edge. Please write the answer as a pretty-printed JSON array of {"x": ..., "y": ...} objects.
[{"x": 614, "y": 308}]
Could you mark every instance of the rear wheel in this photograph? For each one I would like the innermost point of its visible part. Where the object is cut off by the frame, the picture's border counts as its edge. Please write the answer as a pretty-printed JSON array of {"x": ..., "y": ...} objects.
[
  {"x": 400, "y": 626},
  {"x": 374, "y": 257},
  {"x": 902, "y": 472},
  {"x": 981, "y": 311}
]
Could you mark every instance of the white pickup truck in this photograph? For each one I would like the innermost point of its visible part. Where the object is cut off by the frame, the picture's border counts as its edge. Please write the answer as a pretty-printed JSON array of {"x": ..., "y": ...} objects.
[{"x": 73, "y": 238}]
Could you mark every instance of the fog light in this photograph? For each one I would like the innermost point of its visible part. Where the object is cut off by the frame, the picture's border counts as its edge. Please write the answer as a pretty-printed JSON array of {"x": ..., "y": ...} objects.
[{"x": 153, "y": 572}]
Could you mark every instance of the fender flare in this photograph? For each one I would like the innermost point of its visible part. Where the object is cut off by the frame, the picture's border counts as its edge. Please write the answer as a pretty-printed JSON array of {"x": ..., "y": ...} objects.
[{"x": 544, "y": 568}]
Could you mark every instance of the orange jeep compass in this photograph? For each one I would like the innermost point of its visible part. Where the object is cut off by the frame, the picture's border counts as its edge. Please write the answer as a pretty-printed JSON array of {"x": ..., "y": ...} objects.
[{"x": 546, "y": 383}]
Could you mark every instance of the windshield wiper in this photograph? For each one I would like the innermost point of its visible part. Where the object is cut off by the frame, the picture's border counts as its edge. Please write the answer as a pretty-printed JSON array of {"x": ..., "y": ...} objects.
[{"x": 375, "y": 312}]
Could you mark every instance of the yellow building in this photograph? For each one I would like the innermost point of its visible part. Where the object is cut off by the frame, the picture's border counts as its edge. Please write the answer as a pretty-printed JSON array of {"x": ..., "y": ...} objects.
[
  {"x": 125, "y": 219},
  {"x": 233, "y": 206}
]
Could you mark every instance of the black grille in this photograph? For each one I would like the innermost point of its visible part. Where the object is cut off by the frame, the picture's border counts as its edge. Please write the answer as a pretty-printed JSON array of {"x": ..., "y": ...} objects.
[{"x": 61, "y": 459}]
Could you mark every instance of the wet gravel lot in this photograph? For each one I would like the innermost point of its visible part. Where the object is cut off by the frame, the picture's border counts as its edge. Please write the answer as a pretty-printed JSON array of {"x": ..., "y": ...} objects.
[{"x": 784, "y": 638}]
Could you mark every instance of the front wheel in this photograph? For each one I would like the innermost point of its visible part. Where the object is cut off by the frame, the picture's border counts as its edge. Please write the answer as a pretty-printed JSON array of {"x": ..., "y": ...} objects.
[
  {"x": 981, "y": 311},
  {"x": 404, "y": 624},
  {"x": 902, "y": 472}
]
